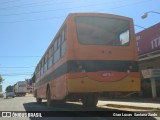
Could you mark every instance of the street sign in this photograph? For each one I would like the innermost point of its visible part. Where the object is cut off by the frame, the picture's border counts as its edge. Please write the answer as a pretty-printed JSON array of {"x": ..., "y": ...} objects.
[{"x": 151, "y": 73}]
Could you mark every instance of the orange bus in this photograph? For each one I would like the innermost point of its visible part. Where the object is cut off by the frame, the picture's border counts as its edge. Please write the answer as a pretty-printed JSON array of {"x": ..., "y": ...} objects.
[{"x": 92, "y": 53}]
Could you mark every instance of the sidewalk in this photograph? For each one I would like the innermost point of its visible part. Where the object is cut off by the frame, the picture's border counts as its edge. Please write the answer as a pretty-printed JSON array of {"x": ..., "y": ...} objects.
[
  {"x": 29, "y": 95},
  {"x": 133, "y": 103}
]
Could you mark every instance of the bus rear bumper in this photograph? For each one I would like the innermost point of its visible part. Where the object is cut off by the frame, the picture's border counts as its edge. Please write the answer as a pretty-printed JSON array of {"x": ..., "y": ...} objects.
[{"x": 89, "y": 85}]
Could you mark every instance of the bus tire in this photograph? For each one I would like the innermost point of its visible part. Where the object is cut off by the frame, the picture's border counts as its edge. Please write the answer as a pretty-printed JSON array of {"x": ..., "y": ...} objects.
[
  {"x": 90, "y": 100},
  {"x": 49, "y": 101}
]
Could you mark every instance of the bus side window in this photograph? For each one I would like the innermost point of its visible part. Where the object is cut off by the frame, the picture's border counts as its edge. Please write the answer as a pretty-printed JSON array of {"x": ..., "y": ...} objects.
[
  {"x": 57, "y": 52},
  {"x": 53, "y": 55},
  {"x": 55, "y": 46},
  {"x": 59, "y": 41},
  {"x": 37, "y": 71},
  {"x": 42, "y": 66},
  {"x": 59, "y": 47},
  {"x": 45, "y": 62},
  {"x": 55, "y": 49},
  {"x": 63, "y": 36},
  {"x": 63, "y": 43},
  {"x": 50, "y": 57}
]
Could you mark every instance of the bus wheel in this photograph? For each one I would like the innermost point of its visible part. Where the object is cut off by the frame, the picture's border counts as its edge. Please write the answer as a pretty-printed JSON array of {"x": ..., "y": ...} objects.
[
  {"x": 90, "y": 100},
  {"x": 49, "y": 101},
  {"x": 39, "y": 100}
]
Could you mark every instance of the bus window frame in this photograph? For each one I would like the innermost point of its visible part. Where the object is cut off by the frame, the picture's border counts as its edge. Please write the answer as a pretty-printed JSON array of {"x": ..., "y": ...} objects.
[
  {"x": 50, "y": 57},
  {"x": 129, "y": 29},
  {"x": 59, "y": 42},
  {"x": 46, "y": 62},
  {"x": 45, "y": 59}
]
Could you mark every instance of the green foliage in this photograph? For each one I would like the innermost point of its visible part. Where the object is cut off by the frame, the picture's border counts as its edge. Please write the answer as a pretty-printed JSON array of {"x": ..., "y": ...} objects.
[
  {"x": 10, "y": 87},
  {"x": 1, "y": 79}
]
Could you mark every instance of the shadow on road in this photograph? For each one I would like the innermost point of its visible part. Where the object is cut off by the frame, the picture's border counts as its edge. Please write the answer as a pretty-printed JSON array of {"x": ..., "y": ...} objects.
[{"x": 70, "y": 111}]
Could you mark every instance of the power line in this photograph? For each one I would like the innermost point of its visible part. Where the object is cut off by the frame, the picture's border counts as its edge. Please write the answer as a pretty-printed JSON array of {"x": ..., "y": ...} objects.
[
  {"x": 9, "y": 1},
  {"x": 43, "y": 11},
  {"x": 32, "y": 20},
  {"x": 33, "y": 5},
  {"x": 16, "y": 74},
  {"x": 59, "y": 9},
  {"x": 19, "y": 67},
  {"x": 19, "y": 56}
]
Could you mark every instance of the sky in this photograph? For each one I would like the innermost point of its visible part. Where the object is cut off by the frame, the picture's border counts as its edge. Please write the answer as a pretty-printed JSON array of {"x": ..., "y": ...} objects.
[{"x": 27, "y": 27}]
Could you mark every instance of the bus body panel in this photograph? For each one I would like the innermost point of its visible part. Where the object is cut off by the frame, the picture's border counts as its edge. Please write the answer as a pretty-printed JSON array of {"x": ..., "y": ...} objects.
[
  {"x": 41, "y": 91},
  {"x": 88, "y": 85},
  {"x": 58, "y": 88}
]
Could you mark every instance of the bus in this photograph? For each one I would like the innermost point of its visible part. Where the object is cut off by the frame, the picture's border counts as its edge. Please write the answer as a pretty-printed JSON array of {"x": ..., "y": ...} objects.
[{"x": 92, "y": 53}]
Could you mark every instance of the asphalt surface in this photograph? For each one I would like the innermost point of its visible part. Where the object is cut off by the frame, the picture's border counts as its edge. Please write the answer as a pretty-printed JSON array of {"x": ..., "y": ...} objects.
[{"x": 71, "y": 111}]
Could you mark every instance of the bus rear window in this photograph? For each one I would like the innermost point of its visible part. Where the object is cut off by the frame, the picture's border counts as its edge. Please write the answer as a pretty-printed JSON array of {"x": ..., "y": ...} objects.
[{"x": 102, "y": 31}]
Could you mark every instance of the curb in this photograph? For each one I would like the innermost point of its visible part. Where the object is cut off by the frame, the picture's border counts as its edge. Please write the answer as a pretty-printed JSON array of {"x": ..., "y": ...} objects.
[{"x": 133, "y": 107}]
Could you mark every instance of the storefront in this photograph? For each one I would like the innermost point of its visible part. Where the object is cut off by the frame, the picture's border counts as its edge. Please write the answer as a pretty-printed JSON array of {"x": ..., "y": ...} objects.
[{"x": 148, "y": 43}]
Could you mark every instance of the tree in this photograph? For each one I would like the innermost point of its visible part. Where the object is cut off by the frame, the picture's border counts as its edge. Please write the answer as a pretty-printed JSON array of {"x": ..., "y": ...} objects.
[
  {"x": 1, "y": 79},
  {"x": 10, "y": 87}
]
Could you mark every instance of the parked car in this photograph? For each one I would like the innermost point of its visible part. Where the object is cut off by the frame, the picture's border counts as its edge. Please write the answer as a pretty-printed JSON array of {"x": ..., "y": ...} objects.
[{"x": 9, "y": 94}]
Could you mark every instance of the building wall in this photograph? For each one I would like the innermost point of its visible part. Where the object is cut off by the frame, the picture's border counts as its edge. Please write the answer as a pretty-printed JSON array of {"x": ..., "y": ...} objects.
[
  {"x": 151, "y": 63},
  {"x": 148, "y": 43},
  {"x": 148, "y": 40}
]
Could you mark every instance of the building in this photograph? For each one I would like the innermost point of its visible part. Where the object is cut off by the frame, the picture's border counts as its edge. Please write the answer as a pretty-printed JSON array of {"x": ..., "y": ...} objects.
[
  {"x": 29, "y": 85},
  {"x": 148, "y": 43}
]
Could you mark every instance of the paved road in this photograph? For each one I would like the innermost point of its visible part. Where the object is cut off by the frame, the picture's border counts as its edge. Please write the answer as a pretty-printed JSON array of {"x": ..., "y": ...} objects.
[{"x": 28, "y": 103}]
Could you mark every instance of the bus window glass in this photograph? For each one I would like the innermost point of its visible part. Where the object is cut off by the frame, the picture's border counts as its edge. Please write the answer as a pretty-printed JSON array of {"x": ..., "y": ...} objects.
[
  {"x": 55, "y": 46},
  {"x": 50, "y": 52},
  {"x": 57, "y": 55},
  {"x": 41, "y": 70},
  {"x": 102, "y": 30},
  {"x": 50, "y": 57},
  {"x": 50, "y": 62},
  {"x": 45, "y": 67},
  {"x": 63, "y": 47},
  {"x": 59, "y": 41},
  {"x": 53, "y": 56},
  {"x": 63, "y": 36},
  {"x": 42, "y": 66},
  {"x": 124, "y": 37},
  {"x": 39, "y": 73},
  {"x": 37, "y": 70}
]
